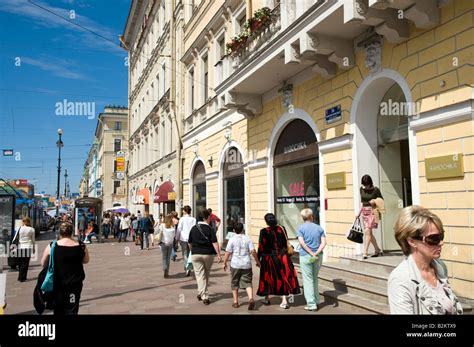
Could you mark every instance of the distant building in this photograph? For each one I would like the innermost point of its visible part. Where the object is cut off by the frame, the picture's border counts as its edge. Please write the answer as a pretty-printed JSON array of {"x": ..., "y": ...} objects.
[{"x": 104, "y": 172}]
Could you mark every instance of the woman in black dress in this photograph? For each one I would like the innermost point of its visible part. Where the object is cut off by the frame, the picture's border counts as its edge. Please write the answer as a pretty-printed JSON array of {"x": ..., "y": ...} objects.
[
  {"x": 277, "y": 274},
  {"x": 69, "y": 257}
]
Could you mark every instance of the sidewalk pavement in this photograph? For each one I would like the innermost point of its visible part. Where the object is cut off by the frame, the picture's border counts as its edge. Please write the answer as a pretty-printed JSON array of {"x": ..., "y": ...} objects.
[{"x": 122, "y": 279}]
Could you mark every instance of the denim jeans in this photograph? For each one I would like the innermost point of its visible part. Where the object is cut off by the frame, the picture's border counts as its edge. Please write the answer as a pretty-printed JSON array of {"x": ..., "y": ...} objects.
[
  {"x": 144, "y": 239},
  {"x": 185, "y": 251},
  {"x": 310, "y": 273},
  {"x": 123, "y": 232},
  {"x": 166, "y": 252},
  {"x": 106, "y": 230}
]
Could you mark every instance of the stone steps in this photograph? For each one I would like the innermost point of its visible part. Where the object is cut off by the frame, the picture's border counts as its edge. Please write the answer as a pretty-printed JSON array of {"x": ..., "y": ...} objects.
[
  {"x": 352, "y": 303},
  {"x": 358, "y": 285}
]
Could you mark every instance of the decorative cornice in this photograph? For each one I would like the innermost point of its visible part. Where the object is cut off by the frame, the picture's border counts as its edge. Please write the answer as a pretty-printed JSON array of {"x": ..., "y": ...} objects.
[
  {"x": 442, "y": 116},
  {"x": 256, "y": 164},
  {"x": 212, "y": 175},
  {"x": 335, "y": 144}
]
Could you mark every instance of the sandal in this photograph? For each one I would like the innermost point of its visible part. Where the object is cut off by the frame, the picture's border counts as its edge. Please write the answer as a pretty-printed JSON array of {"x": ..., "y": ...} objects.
[
  {"x": 375, "y": 255},
  {"x": 364, "y": 256},
  {"x": 284, "y": 306},
  {"x": 235, "y": 305},
  {"x": 251, "y": 305}
]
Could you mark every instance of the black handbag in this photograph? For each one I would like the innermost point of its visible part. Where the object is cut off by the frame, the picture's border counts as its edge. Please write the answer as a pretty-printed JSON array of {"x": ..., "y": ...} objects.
[
  {"x": 42, "y": 300},
  {"x": 356, "y": 234}
]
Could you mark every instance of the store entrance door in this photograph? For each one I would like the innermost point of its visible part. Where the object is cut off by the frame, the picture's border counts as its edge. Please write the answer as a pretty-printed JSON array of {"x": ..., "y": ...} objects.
[
  {"x": 394, "y": 165},
  {"x": 234, "y": 200}
]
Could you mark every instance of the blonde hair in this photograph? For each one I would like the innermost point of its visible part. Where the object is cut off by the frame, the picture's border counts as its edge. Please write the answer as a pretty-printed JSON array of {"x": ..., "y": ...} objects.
[
  {"x": 26, "y": 221},
  {"x": 411, "y": 222},
  {"x": 306, "y": 214},
  {"x": 168, "y": 221}
]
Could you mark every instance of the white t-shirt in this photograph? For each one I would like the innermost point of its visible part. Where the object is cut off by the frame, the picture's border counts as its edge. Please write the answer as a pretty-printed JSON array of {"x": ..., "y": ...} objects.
[
  {"x": 240, "y": 246},
  {"x": 184, "y": 227},
  {"x": 168, "y": 235}
]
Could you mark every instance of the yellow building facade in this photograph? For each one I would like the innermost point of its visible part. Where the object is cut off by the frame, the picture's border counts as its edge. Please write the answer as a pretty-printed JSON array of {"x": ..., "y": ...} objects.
[{"x": 402, "y": 105}]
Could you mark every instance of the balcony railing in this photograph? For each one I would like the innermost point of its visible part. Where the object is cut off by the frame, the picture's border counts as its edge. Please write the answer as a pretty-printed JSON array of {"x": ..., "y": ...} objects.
[{"x": 257, "y": 41}]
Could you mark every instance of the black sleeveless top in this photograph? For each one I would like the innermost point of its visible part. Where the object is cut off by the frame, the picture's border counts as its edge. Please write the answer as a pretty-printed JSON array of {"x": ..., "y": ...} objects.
[{"x": 68, "y": 267}]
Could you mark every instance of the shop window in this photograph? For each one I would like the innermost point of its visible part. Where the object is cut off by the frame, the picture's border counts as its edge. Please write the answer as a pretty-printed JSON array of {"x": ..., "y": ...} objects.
[
  {"x": 296, "y": 172},
  {"x": 199, "y": 189}
]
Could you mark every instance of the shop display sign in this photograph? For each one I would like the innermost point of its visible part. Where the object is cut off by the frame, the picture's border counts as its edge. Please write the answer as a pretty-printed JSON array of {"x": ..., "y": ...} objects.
[
  {"x": 120, "y": 164},
  {"x": 333, "y": 114},
  {"x": 297, "y": 199},
  {"x": 447, "y": 166},
  {"x": 172, "y": 196},
  {"x": 336, "y": 180}
]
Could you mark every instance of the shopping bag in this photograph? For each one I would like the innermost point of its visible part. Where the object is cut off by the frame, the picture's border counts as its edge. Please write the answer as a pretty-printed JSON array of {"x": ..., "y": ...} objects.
[{"x": 189, "y": 264}]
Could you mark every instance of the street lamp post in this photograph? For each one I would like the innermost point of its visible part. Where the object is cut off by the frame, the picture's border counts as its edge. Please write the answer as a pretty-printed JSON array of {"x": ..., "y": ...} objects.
[
  {"x": 60, "y": 144},
  {"x": 65, "y": 184}
]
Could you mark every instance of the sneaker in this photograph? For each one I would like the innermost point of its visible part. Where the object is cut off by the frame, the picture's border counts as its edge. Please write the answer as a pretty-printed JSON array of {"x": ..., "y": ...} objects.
[
  {"x": 199, "y": 298},
  {"x": 284, "y": 306},
  {"x": 188, "y": 273},
  {"x": 311, "y": 309},
  {"x": 206, "y": 301}
]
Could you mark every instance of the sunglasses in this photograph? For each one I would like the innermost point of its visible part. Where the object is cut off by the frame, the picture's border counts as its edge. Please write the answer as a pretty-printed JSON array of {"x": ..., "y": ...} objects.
[{"x": 432, "y": 240}]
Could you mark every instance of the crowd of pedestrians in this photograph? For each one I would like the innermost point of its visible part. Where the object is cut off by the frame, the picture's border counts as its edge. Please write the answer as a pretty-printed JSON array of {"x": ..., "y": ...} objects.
[{"x": 418, "y": 285}]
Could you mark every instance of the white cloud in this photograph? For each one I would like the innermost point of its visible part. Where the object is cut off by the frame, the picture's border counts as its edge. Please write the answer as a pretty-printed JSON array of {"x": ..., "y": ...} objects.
[
  {"x": 49, "y": 20},
  {"x": 58, "y": 67}
]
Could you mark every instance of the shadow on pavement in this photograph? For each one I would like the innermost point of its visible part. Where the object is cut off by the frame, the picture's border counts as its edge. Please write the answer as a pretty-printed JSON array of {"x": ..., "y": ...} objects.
[{"x": 127, "y": 292}]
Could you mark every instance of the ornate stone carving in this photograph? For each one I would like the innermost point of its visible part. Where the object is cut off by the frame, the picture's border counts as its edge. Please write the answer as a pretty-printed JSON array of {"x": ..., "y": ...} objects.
[
  {"x": 361, "y": 7},
  {"x": 286, "y": 95},
  {"x": 373, "y": 55}
]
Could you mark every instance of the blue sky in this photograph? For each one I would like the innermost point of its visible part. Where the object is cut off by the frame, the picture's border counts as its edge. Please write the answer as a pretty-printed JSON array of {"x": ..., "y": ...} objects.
[{"x": 45, "y": 60}]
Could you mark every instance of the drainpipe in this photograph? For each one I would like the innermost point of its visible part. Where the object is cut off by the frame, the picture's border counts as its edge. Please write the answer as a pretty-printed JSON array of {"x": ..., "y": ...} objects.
[
  {"x": 179, "y": 145},
  {"x": 249, "y": 8}
]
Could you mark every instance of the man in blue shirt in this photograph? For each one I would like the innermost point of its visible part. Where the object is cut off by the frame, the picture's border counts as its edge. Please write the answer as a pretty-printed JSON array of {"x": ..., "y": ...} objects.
[
  {"x": 312, "y": 239},
  {"x": 144, "y": 227}
]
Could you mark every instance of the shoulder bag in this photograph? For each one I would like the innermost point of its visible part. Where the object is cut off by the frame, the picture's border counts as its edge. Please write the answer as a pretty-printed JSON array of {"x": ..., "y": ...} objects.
[
  {"x": 290, "y": 250},
  {"x": 48, "y": 283}
]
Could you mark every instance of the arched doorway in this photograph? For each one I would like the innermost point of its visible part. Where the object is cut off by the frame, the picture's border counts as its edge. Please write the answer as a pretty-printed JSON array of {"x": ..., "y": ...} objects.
[
  {"x": 199, "y": 189},
  {"x": 233, "y": 190},
  {"x": 296, "y": 174},
  {"x": 394, "y": 161},
  {"x": 384, "y": 147}
]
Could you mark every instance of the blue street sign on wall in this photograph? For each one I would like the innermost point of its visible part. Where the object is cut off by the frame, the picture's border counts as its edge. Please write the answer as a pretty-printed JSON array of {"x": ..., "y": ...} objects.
[{"x": 333, "y": 114}]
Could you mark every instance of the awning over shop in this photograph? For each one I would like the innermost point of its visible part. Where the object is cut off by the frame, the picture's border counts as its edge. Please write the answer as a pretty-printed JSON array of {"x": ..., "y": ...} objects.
[{"x": 165, "y": 192}]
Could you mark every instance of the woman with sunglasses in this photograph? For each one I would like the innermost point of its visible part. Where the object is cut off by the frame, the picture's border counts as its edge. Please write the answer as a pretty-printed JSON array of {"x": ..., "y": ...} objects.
[{"x": 419, "y": 285}]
